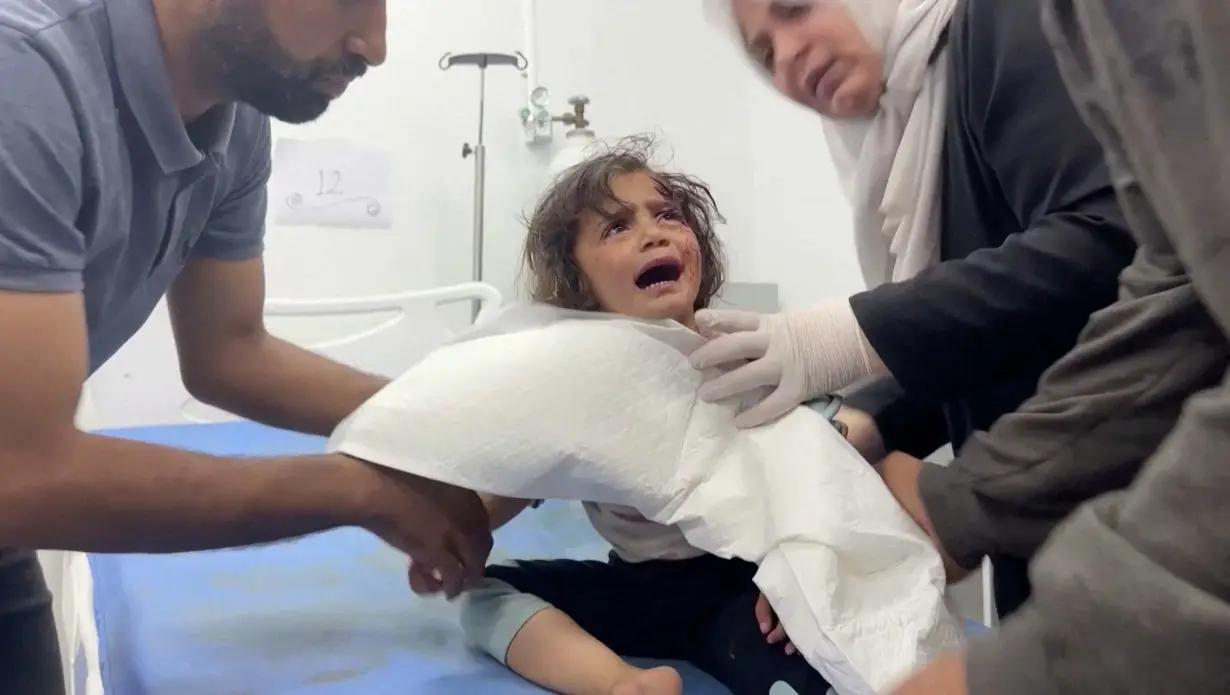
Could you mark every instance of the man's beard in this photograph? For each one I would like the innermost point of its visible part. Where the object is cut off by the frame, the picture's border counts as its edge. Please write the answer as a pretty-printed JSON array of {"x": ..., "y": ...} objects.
[{"x": 253, "y": 69}]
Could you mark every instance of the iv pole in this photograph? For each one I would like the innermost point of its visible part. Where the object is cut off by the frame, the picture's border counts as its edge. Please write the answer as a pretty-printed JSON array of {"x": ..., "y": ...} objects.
[{"x": 481, "y": 61}]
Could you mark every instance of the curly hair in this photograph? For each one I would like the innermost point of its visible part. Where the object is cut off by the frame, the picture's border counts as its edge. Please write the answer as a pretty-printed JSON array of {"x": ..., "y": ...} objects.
[{"x": 553, "y": 227}]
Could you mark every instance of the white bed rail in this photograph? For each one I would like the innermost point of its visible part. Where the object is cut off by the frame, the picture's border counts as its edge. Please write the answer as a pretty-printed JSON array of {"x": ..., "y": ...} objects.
[
  {"x": 383, "y": 334},
  {"x": 378, "y": 347}
]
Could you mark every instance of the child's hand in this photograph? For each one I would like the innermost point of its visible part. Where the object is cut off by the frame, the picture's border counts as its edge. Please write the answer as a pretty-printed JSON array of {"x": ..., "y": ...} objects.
[
  {"x": 862, "y": 433},
  {"x": 423, "y": 581},
  {"x": 769, "y": 625}
]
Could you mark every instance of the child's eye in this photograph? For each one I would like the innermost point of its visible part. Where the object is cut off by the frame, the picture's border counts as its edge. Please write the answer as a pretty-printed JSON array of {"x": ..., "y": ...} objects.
[
  {"x": 615, "y": 228},
  {"x": 671, "y": 215}
]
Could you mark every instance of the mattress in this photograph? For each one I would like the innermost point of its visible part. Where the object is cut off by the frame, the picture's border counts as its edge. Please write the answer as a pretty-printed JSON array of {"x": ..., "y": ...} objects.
[{"x": 329, "y": 614}]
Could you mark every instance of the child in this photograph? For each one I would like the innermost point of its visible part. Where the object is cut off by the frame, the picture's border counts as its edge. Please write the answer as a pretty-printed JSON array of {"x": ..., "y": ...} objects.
[{"x": 615, "y": 235}]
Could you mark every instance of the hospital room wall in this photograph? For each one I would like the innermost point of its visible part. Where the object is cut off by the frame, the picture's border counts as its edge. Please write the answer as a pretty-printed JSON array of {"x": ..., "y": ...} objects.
[{"x": 647, "y": 66}]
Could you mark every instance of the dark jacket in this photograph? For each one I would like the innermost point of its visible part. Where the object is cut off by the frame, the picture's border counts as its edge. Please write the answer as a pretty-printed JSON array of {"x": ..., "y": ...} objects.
[
  {"x": 1032, "y": 239},
  {"x": 1132, "y": 590}
]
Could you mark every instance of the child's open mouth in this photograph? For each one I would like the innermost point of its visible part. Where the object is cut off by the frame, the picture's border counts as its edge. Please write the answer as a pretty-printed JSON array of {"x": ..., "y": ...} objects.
[{"x": 659, "y": 274}]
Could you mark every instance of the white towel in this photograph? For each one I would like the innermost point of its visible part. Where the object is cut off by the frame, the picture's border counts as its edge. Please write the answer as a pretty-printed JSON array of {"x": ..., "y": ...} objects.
[{"x": 545, "y": 403}]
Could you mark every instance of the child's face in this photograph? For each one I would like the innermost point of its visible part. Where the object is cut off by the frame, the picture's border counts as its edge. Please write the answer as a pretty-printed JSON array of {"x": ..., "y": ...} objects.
[{"x": 642, "y": 260}]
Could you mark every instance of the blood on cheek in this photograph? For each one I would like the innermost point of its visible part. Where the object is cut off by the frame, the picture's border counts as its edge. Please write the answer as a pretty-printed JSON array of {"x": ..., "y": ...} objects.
[{"x": 691, "y": 256}]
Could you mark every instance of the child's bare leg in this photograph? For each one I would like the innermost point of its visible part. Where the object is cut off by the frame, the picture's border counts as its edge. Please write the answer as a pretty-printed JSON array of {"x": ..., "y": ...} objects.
[
  {"x": 554, "y": 652},
  {"x": 546, "y": 647}
]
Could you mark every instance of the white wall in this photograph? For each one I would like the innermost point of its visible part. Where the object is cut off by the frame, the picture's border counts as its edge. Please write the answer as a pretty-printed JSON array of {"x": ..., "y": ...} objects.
[
  {"x": 647, "y": 66},
  {"x": 802, "y": 236}
]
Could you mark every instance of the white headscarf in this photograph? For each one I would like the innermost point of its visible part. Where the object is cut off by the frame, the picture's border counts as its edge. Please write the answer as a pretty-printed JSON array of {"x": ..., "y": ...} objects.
[{"x": 889, "y": 164}]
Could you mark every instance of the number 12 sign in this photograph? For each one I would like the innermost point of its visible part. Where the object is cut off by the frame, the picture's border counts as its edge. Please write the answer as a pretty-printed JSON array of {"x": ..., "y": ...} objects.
[{"x": 330, "y": 183}]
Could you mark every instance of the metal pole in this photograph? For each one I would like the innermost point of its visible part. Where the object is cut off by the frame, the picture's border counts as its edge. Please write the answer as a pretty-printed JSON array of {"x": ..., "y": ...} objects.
[
  {"x": 480, "y": 177},
  {"x": 479, "y": 150}
]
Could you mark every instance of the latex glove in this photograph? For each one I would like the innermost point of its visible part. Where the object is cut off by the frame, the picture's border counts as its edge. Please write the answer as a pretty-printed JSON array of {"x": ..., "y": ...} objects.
[
  {"x": 794, "y": 356},
  {"x": 764, "y": 344}
]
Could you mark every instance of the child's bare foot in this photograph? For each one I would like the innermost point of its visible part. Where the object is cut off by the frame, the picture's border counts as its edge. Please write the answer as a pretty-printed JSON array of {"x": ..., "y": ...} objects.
[{"x": 662, "y": 680}]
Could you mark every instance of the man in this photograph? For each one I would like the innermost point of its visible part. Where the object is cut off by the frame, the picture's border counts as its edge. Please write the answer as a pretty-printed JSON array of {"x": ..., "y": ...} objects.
[
  {"x": 1132, "y": 592},
  {"x": 134, "y": 153}
]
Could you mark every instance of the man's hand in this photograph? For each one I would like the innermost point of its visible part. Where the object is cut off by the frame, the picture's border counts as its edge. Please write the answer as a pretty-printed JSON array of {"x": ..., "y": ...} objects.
[
  {"x": 770, "y": 627},
  {"x": 944, "y": 676},
  {"x": 900, "y": 473},
  {"x": 423, "y": 581},
  {"x": 444, "y": 529}
]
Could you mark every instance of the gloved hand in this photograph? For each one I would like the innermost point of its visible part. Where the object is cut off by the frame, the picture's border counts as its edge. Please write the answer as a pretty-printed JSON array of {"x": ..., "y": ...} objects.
[
  {"x": 764, "y": 343},
  {"x": 800, "y": 355}
]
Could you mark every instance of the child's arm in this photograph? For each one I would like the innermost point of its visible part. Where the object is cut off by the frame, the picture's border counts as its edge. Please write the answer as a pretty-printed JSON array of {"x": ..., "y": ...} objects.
[{"x": 501, "y": 510}]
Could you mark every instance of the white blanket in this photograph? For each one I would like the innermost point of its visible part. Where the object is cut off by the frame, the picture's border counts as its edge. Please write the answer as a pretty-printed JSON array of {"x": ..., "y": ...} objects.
[{"x": 544, "y": 403}]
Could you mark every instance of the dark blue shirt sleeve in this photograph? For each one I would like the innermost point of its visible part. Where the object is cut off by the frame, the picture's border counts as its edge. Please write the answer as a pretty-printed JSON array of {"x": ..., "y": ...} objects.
[{"x": 41, "y": 247}]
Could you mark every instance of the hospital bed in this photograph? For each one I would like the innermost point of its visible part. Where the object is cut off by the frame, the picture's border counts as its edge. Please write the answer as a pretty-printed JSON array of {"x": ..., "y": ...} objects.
[{"x": 329, "y": 614}]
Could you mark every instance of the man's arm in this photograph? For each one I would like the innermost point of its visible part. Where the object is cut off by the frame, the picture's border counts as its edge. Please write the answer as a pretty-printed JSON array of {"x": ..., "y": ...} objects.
[
  {"x": 1098, "y": 415},
  {"x": 227, "y": 358},
  {"x": 61, "y": 488},
  {"x": 230, "y": 361},
  {"x": 1130, "y": 594},
  {"x": 64, "y": 489},
  {"x": 1133, "y": 593}
]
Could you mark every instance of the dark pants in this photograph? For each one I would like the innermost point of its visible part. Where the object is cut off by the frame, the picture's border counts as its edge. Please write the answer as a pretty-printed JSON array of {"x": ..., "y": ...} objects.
[
  {"x": 700, "y": 611},
  {"x": 29, "y": 648}
]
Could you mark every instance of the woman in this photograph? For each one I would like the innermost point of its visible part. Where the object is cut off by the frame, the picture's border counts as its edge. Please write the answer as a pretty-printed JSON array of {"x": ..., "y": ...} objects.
[{"x": 986, "y": 226}]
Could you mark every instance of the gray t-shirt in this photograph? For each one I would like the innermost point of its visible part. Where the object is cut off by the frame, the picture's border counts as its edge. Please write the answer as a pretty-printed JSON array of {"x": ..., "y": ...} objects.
[{"x": 103, "y": 188}]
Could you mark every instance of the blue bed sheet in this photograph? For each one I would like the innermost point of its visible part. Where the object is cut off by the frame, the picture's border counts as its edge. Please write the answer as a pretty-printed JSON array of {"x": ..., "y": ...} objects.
[
  {"x": 329, "y": 614},
  {"x": 326, "y": 615}
]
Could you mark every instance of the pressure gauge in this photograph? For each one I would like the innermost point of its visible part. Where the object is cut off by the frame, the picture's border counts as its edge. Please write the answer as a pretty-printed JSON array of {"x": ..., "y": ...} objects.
[{"x": 540, "y": 97}]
